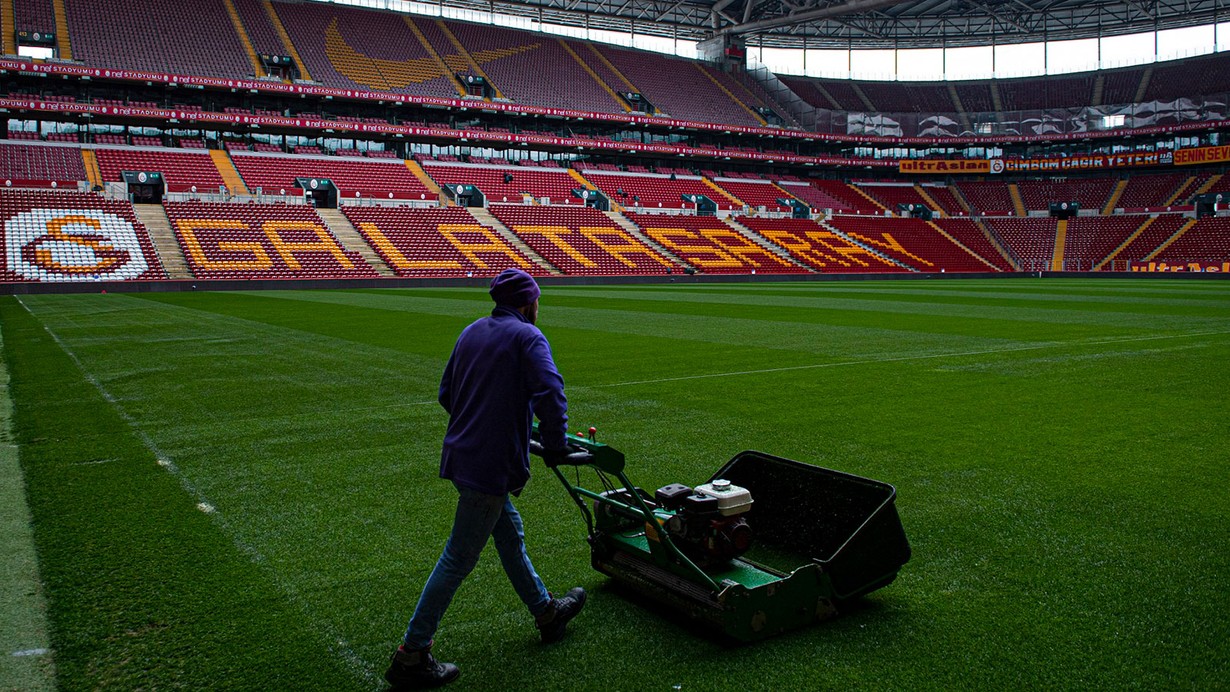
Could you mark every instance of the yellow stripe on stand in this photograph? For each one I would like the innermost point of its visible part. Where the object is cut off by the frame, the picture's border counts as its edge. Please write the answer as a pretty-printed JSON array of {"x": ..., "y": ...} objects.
[
  {"x": 257, "y": 69},
  {"x": 1178, "y": 234},
  {"x": 92, "y": 171},
  {"x": 1061, "y": 239},
  {"x": 226, "y": 168},
  {"x": 63, "y": 45},
  {"x": 285, "y": 38},
  {"x": 1018, "y": 204}
]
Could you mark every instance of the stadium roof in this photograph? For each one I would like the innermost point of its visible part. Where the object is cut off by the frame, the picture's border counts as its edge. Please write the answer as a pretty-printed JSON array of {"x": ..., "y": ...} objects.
[{"x": 866, "y": 23}]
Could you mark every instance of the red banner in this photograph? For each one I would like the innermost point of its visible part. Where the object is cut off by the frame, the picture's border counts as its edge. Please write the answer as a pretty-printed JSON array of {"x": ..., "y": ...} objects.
[
  {"x": 1090, "y": 162},
  {"x": 273, "y": 86},
  {"x": 316, "y": 125}
]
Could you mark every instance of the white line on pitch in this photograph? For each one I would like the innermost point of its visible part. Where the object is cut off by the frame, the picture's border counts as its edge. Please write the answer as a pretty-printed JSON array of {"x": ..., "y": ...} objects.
[
  {"x": 930, "y": 356},
  {"x": 342, "y": 647}
]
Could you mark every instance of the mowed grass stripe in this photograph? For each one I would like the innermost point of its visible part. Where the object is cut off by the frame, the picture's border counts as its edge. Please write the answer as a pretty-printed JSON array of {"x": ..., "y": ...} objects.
[
  {"x": 145, "y": 591},
  {"x": 25, "y": 651},
  {"x": 280, "y": 479},
  {"x": 233, "y": 415},
  {"x": 1140, "y": 302},
  {"x": 1060, "y": 500}
]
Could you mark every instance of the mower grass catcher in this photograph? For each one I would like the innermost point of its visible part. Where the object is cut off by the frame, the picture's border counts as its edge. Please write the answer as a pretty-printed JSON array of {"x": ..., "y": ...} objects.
[{"x": 766, "y": 546}]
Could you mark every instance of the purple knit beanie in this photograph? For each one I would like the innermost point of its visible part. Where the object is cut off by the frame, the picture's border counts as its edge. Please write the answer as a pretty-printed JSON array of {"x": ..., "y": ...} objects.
[{"x": 514, "y": 288}]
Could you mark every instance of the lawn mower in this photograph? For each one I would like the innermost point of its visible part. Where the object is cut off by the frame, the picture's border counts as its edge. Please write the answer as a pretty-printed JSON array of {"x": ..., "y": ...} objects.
[{"x": 765, "y": 546}]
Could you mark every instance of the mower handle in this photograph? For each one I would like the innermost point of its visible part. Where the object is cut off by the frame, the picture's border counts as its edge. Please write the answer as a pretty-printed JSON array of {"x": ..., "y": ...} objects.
[{"x": 575, "y": 456}]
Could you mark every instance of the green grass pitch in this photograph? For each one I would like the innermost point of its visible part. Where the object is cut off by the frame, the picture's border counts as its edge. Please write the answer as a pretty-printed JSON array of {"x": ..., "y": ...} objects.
[{"x": 240, "y": 491}]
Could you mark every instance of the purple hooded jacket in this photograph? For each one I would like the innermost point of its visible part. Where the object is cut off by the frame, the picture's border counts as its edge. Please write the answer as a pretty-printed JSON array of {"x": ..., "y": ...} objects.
[{"x": 500, "y": 375}]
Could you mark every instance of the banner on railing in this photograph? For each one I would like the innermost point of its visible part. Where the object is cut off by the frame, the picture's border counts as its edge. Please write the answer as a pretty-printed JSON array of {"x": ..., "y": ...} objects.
[
  {"x": 1091, "y": 162},
  {"x": 1188, "y": 157},
  {"x": 835, "y": 126},
  {"x": 975, "y": 166},
  {"x": 1208, "y": 267},
  {"x": 470, "y": 136}
]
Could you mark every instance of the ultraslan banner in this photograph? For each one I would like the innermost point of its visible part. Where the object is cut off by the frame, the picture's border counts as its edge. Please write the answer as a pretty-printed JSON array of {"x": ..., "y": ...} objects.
[
  {"x": 975, "y": 166},
  {"x": 1208, "y": 267}
]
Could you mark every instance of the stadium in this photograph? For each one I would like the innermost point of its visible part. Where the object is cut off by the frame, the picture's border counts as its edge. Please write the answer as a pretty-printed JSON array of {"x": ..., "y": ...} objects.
[{"x": 242, "y": 236}]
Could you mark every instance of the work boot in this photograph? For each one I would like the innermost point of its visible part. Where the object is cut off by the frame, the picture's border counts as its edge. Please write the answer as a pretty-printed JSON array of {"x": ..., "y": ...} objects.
[
  {"x": 551, "y": 624},
  {"x": 418, "y": 669}
]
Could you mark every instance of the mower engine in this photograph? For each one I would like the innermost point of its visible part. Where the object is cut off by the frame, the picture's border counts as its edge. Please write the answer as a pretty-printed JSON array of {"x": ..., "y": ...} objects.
[{"x": 708, "y": 520}]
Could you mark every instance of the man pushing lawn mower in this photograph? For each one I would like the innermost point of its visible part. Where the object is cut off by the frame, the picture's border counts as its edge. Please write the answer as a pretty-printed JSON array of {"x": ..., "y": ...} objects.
[{"x": 500, "y": 376}]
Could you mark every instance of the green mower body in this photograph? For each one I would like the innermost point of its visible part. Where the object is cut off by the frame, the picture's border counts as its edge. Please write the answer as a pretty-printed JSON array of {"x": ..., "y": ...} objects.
[{"x": 822, "y": 539}]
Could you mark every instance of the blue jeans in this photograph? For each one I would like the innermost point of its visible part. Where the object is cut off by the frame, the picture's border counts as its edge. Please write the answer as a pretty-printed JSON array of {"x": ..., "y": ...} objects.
[{"x": 479, "y": 517}]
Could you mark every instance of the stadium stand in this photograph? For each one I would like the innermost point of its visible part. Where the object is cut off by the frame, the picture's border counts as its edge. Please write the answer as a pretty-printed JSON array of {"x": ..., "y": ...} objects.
[
  {"x": 1031, "y": 241},
  {"x": 260, "y": 241},
  {"x": 194, "y": 38},
  {"x": 1150, "y": 191},
  {"x": 1195, "y": 77},
  {"x": 975, "y": 97},
  {"x": 820, "y": 200},
  {"x": 753, "y": 94},
  {"x": 182, "y": 169},
  {"x": 1148, "y": 238},
  {"x": 970, "y": 234},
  {"x": 445, "y": 241},
  {"x": 34, "y": 15},
  {"x": 1120, "y": 86},
  {"x": 904, "y": 97},
  {"x": 1048, "y": 92},
  {"x": 892, "y": 194},
  {"x": 912, "y": 242},
  {"x": 750, "y": 98},
  {"x": 508, "y": 184},
  {"x": 990, "y": 197},
  {"x": 844, "y": 93},
  {"x": 514, "y": 61},
  {"x": 29, "y": 165},
  {"x": 851, "y": 198},
  {"x": 1091, "y": 193},
  {"x": 59, "y": 236},
  {"x": 758, "y": 194},
  {"x": 260, "y": 30},
  {"x": 352, "y": 48},
  {"x": 678, "y": 88},
  {"x": 711, "y": 246},
  {"x": 380, "y": 178},
  {"x": 1090, "y": 239},
  {"x": 1207, "y": 240},
  {"x": 653, "y": 191},
  {"x": 807, "y": 90},
  {"x": 943, "y": 196},
  {"x": 362, "y": 48},
  {"x": 582, "y": 240},
  {"x": 819, "y": 247}
]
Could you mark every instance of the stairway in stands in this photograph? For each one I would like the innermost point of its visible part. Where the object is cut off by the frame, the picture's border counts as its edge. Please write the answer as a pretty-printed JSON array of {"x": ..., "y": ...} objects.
[
  {"x": 169, "y": 251},
  {"x": 764, "y": 243},
  {"x": 226, "y": 169},
  {"x": 244, "y": 40},
  {"x": 8, "y": 22},
  {"x": 633, "y": 230},
  {"x": 487, "y": 219},
  {"x": 63, "y": 43},
  {"x": 350, "y": 239}
]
